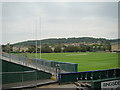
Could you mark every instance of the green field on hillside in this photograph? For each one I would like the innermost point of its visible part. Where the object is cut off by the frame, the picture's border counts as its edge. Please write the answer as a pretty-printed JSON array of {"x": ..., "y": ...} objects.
[{"x": 86, "y": 61}]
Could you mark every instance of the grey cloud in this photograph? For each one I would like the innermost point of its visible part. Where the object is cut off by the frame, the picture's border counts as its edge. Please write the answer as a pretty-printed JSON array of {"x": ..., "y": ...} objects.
[{"x": 60, "y": 19}]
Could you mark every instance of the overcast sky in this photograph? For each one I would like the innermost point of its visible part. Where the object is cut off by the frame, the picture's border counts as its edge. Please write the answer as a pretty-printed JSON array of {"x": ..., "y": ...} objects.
[{"x": 58, "y": 20}]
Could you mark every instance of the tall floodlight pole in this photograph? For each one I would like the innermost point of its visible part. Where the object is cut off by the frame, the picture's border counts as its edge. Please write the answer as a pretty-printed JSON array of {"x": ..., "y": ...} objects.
[
  {"x": 36, "y": 31},
  {"x": 40, "y": 34},
  {"x": 36, "y": 49},
  {"x": 36, "y": 42}
]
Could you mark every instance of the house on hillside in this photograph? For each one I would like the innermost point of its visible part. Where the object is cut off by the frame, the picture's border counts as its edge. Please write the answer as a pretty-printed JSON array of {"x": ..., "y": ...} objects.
[
  {"x": 20, "y": 48},
  {"x": 115, "y": 47},
  {"x": 15, "y": 49}
]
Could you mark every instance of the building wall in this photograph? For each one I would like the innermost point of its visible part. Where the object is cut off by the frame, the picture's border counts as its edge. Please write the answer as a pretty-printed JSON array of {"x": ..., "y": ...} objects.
[
  {"x": 115, "y": 47},
  {"x": 17, "y": 49}
]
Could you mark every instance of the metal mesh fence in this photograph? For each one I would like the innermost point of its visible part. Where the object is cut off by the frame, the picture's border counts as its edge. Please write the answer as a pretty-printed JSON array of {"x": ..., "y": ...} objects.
[
  {"x": 89, "y": 75},
  {"x": 13, "y": 77},
  {"x": 41, "y": 64},
  {"x": 23, "y": 78},
  {"x": 18, "y": 79}
]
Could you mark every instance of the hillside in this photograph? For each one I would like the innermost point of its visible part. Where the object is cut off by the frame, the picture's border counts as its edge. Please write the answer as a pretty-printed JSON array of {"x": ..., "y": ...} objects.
[{"x": 64, "y": 40}]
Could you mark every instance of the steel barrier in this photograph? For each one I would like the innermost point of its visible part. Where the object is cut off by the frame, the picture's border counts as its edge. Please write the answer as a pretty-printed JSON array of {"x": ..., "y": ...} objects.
[{"x": 89, "y": 75}]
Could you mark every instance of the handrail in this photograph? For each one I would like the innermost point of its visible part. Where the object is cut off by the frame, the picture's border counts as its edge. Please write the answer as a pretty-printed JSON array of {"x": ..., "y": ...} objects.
[
  {"x": 41, "y": 64},
  {"x": 17, "y": 72}
]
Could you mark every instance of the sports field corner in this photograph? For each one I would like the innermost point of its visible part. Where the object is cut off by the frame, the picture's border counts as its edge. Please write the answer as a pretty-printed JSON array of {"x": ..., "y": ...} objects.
[{"x": 86, "y": 61}]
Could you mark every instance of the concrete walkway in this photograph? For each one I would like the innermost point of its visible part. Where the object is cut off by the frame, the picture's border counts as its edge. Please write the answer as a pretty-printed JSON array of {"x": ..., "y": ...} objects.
[
  {"x": 70, "y": 85},
  {"x": 28, "y": 84}
]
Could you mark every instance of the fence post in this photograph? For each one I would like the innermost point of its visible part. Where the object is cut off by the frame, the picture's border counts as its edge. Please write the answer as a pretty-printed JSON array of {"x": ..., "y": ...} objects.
[
  {"x": 22, "y": 79},
  {"x": 99, "y": 74},
  {"x": 114, "y": 72},
  {"x": 19, "y": 59},
  {"x": 59, "y": 78},
  {"x": 9, "y": 57},
  {"x": 107, "y": 73},
  {"x": 36, "y": 77},
  {"x": 76, "y": 67}
]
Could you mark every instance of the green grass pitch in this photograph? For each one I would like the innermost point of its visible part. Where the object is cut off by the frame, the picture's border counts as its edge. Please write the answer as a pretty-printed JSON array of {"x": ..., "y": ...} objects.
[{"x": 86, "y": 61}]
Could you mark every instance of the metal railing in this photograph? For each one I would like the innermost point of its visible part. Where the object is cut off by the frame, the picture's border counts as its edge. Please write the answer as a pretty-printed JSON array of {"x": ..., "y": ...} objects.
[
  {"x": 41, "y": 64},
  {"x": 89, "y": 75}
]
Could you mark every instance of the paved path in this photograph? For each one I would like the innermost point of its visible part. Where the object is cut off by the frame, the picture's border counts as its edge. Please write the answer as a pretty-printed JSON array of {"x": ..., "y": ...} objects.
[
  {"x": 59, "y": 86},
  {"x": 28, "y": 84}
]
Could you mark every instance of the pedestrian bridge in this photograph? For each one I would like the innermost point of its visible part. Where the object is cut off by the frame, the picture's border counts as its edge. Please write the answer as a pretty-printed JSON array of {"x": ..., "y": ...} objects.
[
  {"x": 20, "y": 72},
  {"x": 41, "y": 64}
]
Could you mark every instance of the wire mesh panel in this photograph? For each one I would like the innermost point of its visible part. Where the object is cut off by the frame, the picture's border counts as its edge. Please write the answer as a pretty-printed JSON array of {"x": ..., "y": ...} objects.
[
  {"x": 68, "y": 77},
  {"x": 14, "y": 77},
  {"x": 117, "y": 72},
  {"x": 43, "y": 75},
  {"x": 83, "y": 75},
  {"x": 29, "y": 76},
  {"x": 89, "y": 76},
  {"x": 103, "y": 74},
  {"x": 96, "y": 75}
]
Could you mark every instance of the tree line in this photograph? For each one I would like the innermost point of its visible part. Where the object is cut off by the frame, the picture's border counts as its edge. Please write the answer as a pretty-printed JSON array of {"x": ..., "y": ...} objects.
[
  {"x": 65, "y": 40},
  {"x": 70, "y": 48},
  {"x": 57, "y": 48}
]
